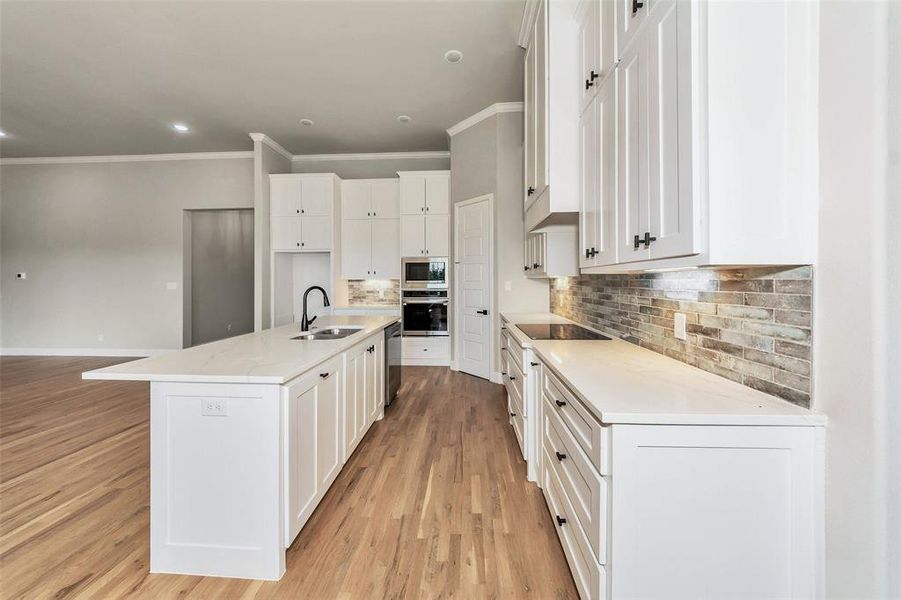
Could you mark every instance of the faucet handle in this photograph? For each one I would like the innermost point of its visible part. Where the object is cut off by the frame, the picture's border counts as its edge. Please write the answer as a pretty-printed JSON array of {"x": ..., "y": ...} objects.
[{"x": 311, "y": 319}]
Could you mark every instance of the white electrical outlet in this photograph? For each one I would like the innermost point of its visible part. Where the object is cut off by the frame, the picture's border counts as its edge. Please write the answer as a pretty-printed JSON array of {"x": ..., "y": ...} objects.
[
  {"x": 21, "y": 275},
  {"x": 679, "y": 326},
  {"x": 508, "y": 286},
  {"x": 214, "y": 407},
  {"x": 172, "y": 285}
]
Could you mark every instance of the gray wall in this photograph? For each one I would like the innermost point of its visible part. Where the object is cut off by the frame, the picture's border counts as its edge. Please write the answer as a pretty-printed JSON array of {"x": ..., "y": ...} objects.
[
  {"x": 221, "y": 254},
  {"x": 370, "y": 169},
  {"x": 487, "y": 159},
  {"x": 265, "y": 161},
  {"x": 100, "y": 242}
]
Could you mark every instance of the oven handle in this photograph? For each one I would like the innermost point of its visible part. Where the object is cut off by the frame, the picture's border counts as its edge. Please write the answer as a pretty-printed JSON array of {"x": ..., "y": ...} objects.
[{"x": 425, "y": 302}]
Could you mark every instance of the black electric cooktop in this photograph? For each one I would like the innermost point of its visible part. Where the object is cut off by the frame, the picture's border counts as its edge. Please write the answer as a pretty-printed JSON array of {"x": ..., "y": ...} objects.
[{"x": 559, "y": 331}]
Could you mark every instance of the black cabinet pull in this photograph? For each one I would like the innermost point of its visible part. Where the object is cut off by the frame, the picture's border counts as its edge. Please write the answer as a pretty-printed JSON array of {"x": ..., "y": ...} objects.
[
  {"x": 525, "y": 268},
  {"x": 587, "y": 253},
  {"x": 533, "y": 364},
  {"x": 593, "y": 253},
  {"x": 302, "y": 211},
  {"x": 636, "y": 4},
  {"x": 560, "y": 403},
  {"x": 530, "y": 191},
  {"x": 323, "y": 375},
  {"x": 561, "y": 521},
  {"x": 560, "y": 456},
  {"x": 512, "y": 414},
  {"x": 646, "y": 240},
  {"x": 593, "y": 75},
  {"x": 512, "y": 378},
  {"x": 298, "y": 244},
  {"x": 298, "y": 211},
  {"x": 588, "y": 84},
  {"x": 482, "y": 312},
  {"x": 535, "y": 265}
]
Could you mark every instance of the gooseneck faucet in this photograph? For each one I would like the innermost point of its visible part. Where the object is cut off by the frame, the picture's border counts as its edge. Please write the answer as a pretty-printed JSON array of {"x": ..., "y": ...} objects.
[{"x": 305, "y": 322}]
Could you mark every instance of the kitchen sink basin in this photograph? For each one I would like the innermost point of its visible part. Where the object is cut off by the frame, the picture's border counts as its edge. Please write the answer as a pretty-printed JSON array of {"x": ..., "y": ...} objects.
[{"x": 328, "y": 333}]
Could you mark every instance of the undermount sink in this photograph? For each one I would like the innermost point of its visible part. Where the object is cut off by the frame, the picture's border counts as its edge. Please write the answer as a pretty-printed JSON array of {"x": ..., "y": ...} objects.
[{"x": 328, "y": 333}]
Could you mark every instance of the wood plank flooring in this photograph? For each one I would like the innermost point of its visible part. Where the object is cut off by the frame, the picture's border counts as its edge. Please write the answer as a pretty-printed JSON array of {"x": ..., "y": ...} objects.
[{"x": 433, "y": 504}]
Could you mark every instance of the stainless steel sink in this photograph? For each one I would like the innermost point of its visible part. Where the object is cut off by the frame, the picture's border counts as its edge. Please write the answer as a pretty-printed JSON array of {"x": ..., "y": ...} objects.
[{"x": 328, "y": 333}]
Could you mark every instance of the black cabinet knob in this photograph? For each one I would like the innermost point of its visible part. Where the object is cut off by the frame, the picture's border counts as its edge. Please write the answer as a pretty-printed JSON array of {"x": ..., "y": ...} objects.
[
  {"x": 561, "y": 521},
  {"x": 560, "y": 456}
]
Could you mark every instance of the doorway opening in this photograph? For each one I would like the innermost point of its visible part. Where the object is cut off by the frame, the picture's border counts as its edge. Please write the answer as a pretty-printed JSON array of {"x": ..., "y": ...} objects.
[{"x": 218, "y": 275}]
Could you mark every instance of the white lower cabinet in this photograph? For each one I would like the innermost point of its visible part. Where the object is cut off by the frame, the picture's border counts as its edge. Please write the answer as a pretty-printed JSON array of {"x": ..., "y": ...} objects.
[
  {"x": 313, "y": 441},
  {"x": 326, "y": 413},
  {"x": 425, "y": 351}
]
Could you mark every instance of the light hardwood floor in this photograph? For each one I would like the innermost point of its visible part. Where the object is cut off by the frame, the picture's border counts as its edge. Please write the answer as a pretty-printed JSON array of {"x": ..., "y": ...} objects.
[{"x": 433, "y": 504}]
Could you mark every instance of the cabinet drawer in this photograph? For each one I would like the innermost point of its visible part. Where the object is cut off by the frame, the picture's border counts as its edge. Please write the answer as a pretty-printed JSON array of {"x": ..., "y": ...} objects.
[
  {"x": 587, "y": 431},
  {"x": 519, "y": 429},
  {"x": 590, "y": 577},
  {"x": 510, "y": 343},
  {"x": 584, "y": 489},
  {"x": 424, "y": 347},
  {"x": 514, "y": 375},
  {"x": 513, "y": 391}
]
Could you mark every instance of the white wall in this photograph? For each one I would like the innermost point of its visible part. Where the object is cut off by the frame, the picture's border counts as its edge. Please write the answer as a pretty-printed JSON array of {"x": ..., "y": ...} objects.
[
  {"x": 855, "y": 348},
  {"x": 487, "y": 158},
  {"x": 266, "y": 160},
  {"x": 99, "y": 243}
]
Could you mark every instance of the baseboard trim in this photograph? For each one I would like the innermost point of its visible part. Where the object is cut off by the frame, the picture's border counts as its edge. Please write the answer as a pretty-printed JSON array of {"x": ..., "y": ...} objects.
[{"x": 138, "y": 353}]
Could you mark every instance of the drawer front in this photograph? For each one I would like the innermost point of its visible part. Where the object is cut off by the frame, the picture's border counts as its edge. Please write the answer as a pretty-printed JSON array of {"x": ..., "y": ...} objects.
[
  {"x": 583, "y": 487},
  {"x": 587, "y": 431},
  {"x": 519, "y": 428},
  {"x": 425, "y": 347},
  {"x": 515, "y": 377},
  {"x": 508, "y": 342},
  {"x": 590, "y": 577}
]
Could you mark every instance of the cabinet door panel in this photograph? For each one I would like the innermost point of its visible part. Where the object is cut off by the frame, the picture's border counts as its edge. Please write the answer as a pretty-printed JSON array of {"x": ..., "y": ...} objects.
[
  {"x": 412, "y": 195},
  {"x": 385, "y": 199},
  {"x": 300, "y": 442},
  {"x": 529, "y": 125},
  {"x": 316, "y": 197},
  {"x": 316, "y": 233},
  {"x": 541, "y": 77},
  {"x": 589, "y": 199},
  {"x": 285, "y": 233},
  {"x": 605, "y": 164},
  {"x": 437, "y": 194},
  {"x": 628, "y": 22},
  {"x": 284, "y": 196},
  {"x": 355, "y": 199},
  {"x": 632, "y": 151},
  {"x": 589, "y": 51},
  {"x": 437, "y": 235},
  {"x": 328, "y": 425},
  {"x": 354, "y": 389},
  {"x": 412, "y": 235},
  {"x": 356, "y": 244},
  {"x": 373, "y": 382},
  {"x": 671, "y": 218},
  {"x": 386, "y": 248}
]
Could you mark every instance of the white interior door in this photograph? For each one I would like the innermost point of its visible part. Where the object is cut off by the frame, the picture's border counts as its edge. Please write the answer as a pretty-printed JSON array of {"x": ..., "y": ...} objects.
[{"x": 473, "y": 287}]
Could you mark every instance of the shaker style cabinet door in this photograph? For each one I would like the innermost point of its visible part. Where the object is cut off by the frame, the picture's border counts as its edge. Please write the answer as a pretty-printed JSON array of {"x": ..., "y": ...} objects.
[
  {"x": 412, "y": 195},
  {"x": 437, "y": 192},
  {"x": 589, "y": 198},
  {"x": 355, "y": 199},
  {"x": 385, "y": 255},
  {"x": 316, "y": 196},
  {"x": 328, "y": 424},
  {"x": 356, "y": 240},
  {"x": 385, "y": 199},
  {"x": 412, "y": 235},
  {"x": 285, "y": 233},
  {"x": 316, "y": 233},
  {"x": 437, "y": 235},
  {"x": 284, "y": 197}
]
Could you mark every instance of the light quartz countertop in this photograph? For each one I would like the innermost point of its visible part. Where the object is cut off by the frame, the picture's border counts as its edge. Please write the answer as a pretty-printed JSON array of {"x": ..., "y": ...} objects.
[
  {"x": 621, "y": 382},
  {"x": 268, "y": 356}
]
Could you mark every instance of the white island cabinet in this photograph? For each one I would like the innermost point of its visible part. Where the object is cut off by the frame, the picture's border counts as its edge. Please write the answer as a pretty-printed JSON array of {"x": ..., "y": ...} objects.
[
  {"x": 662, "y": 480},
  {"x": 246, "y": 436}
]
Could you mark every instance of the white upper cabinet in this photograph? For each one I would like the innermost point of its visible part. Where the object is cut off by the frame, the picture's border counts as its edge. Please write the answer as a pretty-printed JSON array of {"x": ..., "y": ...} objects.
[
  {"x": 301, "y": 207},
  {"x": 370, "y": 229},
  {"x": 424, "y": 207},
  {"x": 711, "y": 168},
  {"x": 550, "y": 185},
  {"x": 424, "y": 192}
]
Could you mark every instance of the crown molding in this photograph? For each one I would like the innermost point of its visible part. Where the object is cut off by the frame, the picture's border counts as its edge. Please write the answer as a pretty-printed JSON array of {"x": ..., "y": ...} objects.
[
  {"x": 370, "y": 156},
  {"x": 529, "y": 14},
  {"x": 500, "y": 107},
  {"x": 120, "y": 158},
  {"x": 265, "y": 139}
]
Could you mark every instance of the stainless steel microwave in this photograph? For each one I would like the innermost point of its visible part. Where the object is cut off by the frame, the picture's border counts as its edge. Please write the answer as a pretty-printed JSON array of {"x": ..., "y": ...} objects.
[{"x": 424, "y": 273}]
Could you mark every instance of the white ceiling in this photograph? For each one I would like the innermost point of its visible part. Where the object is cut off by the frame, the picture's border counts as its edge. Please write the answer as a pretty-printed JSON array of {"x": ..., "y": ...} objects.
[{"x": 99, "y": 78}]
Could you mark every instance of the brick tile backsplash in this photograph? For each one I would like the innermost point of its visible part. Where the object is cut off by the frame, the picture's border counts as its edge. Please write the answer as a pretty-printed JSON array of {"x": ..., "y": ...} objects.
[
  {"x": 373, "y": 292},
  {"x": 750, "y": 325}
]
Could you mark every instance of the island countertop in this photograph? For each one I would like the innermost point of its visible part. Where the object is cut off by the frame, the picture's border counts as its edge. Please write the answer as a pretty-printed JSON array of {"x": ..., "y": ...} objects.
[
  {"x": 269, "y": 356},
  {"x": 624, "y": 383}
]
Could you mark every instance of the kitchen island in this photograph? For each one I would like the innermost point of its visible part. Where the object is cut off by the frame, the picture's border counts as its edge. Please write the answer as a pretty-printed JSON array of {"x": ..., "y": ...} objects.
[{"x": 246, "y": 436}]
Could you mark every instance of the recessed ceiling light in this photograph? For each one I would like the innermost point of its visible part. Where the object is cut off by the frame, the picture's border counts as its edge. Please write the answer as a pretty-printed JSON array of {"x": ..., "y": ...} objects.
[
  {"x": 306, "y": 122},
  {"x": 180, "y": 127},
  {"x": 453, "y": 56},
  {"x": 404, "y": 118}
]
